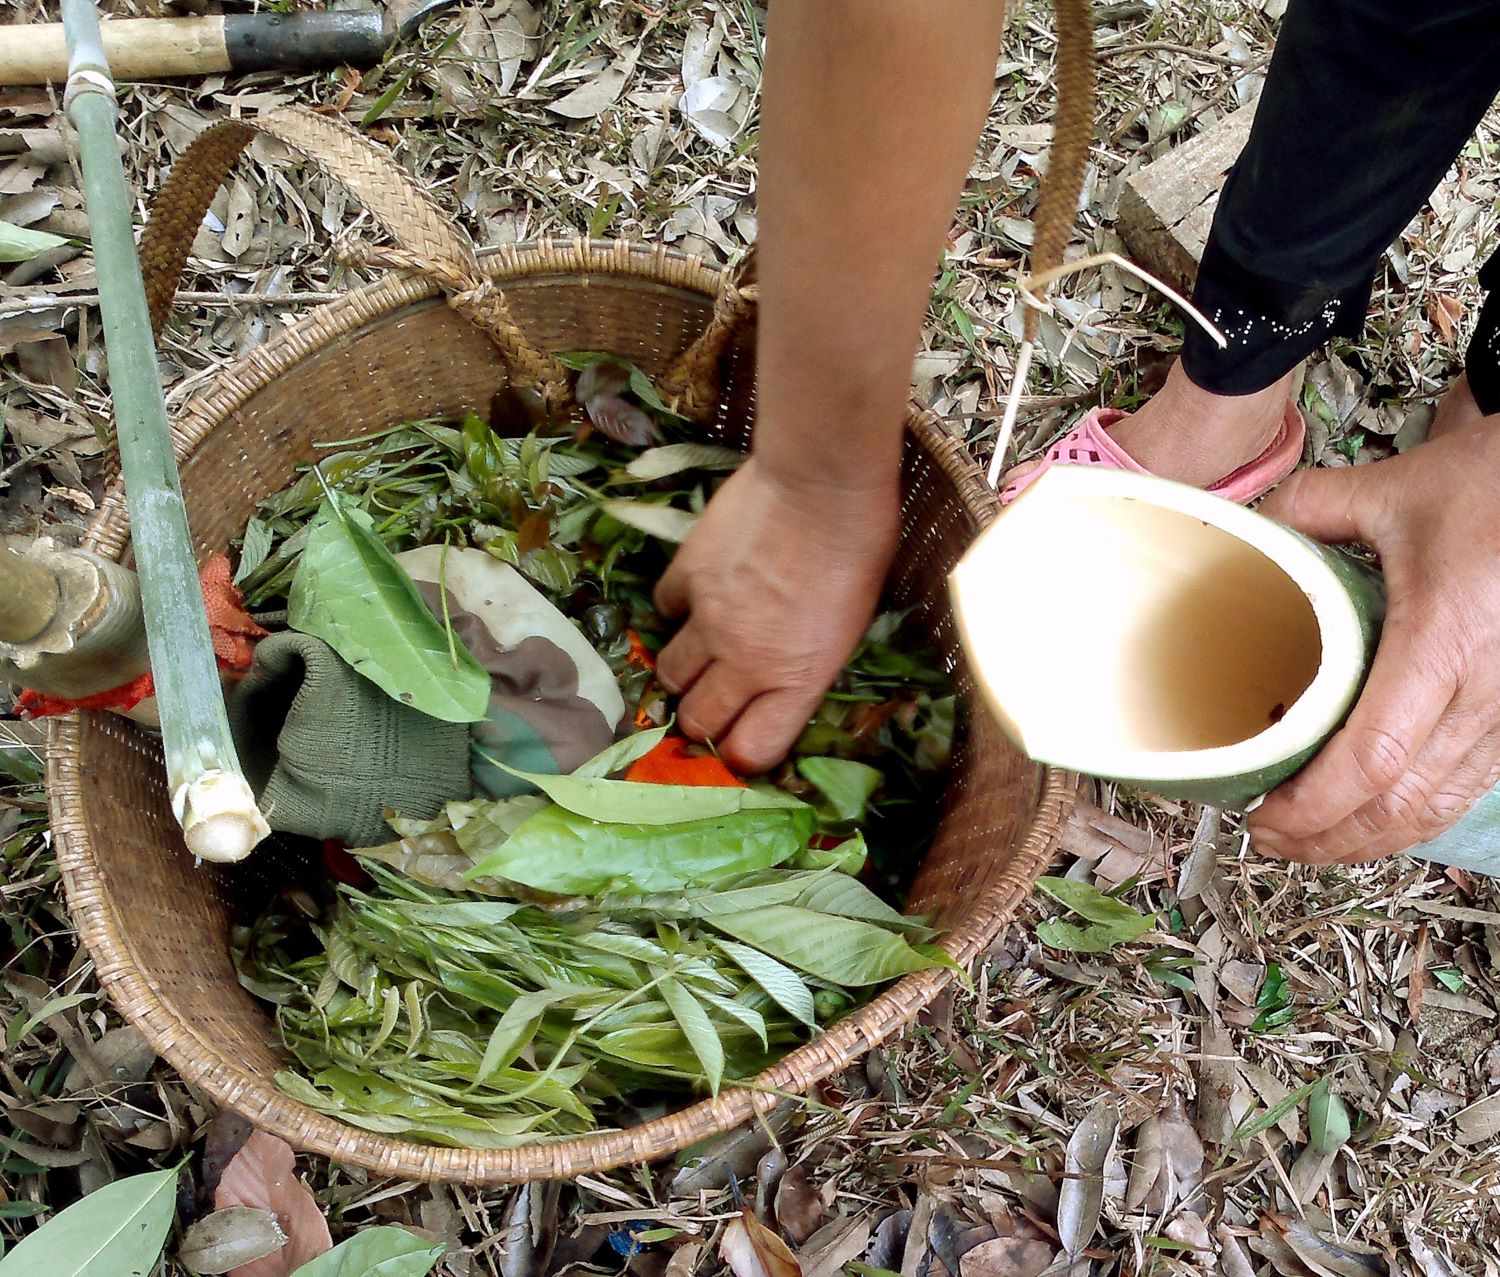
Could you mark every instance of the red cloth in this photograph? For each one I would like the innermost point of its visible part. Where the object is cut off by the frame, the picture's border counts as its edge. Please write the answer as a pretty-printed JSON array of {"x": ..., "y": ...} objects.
[
  {"x": 671, "y": 762},
  {"x": 229, "y": 626}
]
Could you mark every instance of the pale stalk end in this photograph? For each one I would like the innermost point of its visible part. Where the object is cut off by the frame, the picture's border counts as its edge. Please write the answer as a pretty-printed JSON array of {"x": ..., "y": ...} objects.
[{"x": 219, "y": 817}]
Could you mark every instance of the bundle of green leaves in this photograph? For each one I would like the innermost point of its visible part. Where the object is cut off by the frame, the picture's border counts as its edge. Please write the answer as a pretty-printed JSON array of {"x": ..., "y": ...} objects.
[{"x": 521, "y": 968}]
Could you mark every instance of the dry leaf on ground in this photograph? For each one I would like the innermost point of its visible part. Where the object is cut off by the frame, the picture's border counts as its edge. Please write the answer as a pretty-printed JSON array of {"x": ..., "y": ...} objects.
[
  {"x": 229, "y": 1240},
  {"x": 263, "y": 1174},
  {"x": 799, "y": 1209},
  {"x": 753, "y": 1250}
]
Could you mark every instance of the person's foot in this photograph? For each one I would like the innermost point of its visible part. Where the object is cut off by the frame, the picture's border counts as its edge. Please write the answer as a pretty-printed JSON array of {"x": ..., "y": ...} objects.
[
  {"x": 1189, "y": 434},
  {"x": 1457, "y": 411}
]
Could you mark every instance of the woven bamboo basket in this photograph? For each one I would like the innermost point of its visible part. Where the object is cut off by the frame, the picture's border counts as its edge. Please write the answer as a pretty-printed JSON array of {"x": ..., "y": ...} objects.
[{"x": 440, "y": 336}]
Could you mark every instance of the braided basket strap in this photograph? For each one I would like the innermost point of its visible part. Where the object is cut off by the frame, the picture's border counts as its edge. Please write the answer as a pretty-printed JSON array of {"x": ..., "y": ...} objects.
[
  {"x": 693, "y": 384},
  {"x": 177, "y": 211},
  {"x": 428, "y": 242},
  {"x": 1057, "y": 205}
]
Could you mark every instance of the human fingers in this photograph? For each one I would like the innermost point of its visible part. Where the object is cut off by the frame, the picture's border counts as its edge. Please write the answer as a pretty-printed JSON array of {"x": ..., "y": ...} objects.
[
  {"x": 767, "y": 729},
  {"x": 713, "y": 703},
  {"x": 682, "y": 661}
]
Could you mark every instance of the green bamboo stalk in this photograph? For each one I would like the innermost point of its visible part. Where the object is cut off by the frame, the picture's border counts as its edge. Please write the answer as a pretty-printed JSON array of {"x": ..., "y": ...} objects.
[{"x": 213, "y": 801}]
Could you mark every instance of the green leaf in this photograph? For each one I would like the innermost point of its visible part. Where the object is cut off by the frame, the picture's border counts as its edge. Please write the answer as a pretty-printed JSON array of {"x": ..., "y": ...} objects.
[
  {"x": 744, "y": 1015},
  {"x": 350, "y": 592},
  {"x": 382, "y": 104},
  {"x": 628, "y": 802},
  {"x": 375, "y": 1252},
  {"x": 844, "y": 951},
  {"x": 1450, "y": 978},
  {"x": 21, "y": 244},
  {"x": 846, "y": 859},
  {"x": 116, "y": 1231},
  {"x": 697, "y": 1028},
  {"x": 1075, "y": 939},
  {"x": 516, "y": 1029},
  {"x": 622, "y": 753},
  {"x": 561, "y": 852},
  {"x": 254, "y": 547},
  {"x": 964, "y": 324},
  {"x": 1272, "y": 994},
  {"x": 1113, "y": 923},
  {"x": 674, "y": 458},
  {"x": 782, "y": 985},
  {"x": 840, "y": 894},
  {"x": 1327, "y": 1120},
  {"x": 665, "y": 522},
  {"x": 1254, "y": 1125},
  {"x": 846, "y": 785},
  {"x": 1087, "y": 901},
  {"x": 19, "y": 1028},
  {"x": 644, "y": 389}
]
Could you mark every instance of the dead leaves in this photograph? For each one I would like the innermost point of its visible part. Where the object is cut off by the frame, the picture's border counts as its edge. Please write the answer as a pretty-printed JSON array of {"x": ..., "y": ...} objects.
[
  {"x": 1445, "y": 312},
  {"x": 1081, "y": 1197},
  {"x": 262, "y": 1175},
  {"x": 753, "y": 1250},
  {"x": 1006, "y": 1257},
  {"x": 600, "y": 92},
  {"x": 1168, "y": 1165},
  {"x": 230, "y": 1240},
  {"x": 799, "y": 1208}
]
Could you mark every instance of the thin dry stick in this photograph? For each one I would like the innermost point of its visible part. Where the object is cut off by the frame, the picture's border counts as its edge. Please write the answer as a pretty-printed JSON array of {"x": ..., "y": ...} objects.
[
  {"x": 57, "y": 301},
  {"x": 1029, "y": 298},
  {"x": 1167, "y": 46}
]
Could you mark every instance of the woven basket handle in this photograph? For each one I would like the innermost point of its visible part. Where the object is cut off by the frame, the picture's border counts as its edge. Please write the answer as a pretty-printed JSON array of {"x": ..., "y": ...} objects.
[
  {"x": 692, "y": 384},
  {"x": 427, "y": 241}
]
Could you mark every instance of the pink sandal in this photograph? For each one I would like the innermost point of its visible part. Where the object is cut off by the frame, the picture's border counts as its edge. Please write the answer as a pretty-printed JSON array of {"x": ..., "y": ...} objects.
[{"x": 1089, "y": 444}]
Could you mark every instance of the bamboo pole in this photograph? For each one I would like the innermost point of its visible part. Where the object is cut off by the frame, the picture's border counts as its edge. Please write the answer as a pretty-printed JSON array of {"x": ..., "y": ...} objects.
[{"x": 210, "y": 795}]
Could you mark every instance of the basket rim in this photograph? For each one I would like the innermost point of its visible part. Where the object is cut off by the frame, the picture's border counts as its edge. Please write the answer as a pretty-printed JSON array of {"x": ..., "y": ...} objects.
[{"x": 202, "y": 1065}]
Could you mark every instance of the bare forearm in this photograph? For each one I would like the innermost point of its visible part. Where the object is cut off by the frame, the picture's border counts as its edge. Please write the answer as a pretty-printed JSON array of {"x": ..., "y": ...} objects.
[{"x": 872, "y": 111}]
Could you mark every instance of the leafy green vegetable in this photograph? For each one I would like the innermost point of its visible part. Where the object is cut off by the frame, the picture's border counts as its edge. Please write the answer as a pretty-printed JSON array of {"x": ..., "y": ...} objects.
[
  {"x": 376, "y": 1252},
  {"x": 845, "y": 784},
  {"x": 697, "y": 1028},
  {"x": 641, "y": 386},
  {"x": 120, "y": 1228},
  {"x": 673, "y": 458},
  {"x": 562, "y": 852},
  {"x": 783, "y": 985},
  {"x": 622, "y": 753},
  {"x": 630, "y": 803},
  {"x": 350, "y": 592},
  {"x": 842, "y": 951},
  {"x": 664, "y": 521},
  {"x": 527, "y": 969}
]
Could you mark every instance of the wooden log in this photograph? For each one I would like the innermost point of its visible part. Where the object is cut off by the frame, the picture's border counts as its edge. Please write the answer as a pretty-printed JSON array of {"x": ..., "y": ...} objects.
[{"x": 1166, "y": 208}]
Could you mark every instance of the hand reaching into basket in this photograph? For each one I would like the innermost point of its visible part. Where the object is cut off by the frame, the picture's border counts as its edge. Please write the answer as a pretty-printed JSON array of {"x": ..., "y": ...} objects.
[
  {"x": 871, "y": 112},
  {"x": 777, "y": 582}
]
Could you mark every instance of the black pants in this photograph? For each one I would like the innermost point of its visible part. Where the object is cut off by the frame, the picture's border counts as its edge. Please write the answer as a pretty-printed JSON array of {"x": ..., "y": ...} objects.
[{"x": 1366, "y": 105}]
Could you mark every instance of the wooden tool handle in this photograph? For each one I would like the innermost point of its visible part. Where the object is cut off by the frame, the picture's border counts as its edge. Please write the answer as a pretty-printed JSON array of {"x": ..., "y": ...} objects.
[{"x": 161, "y": 48}]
